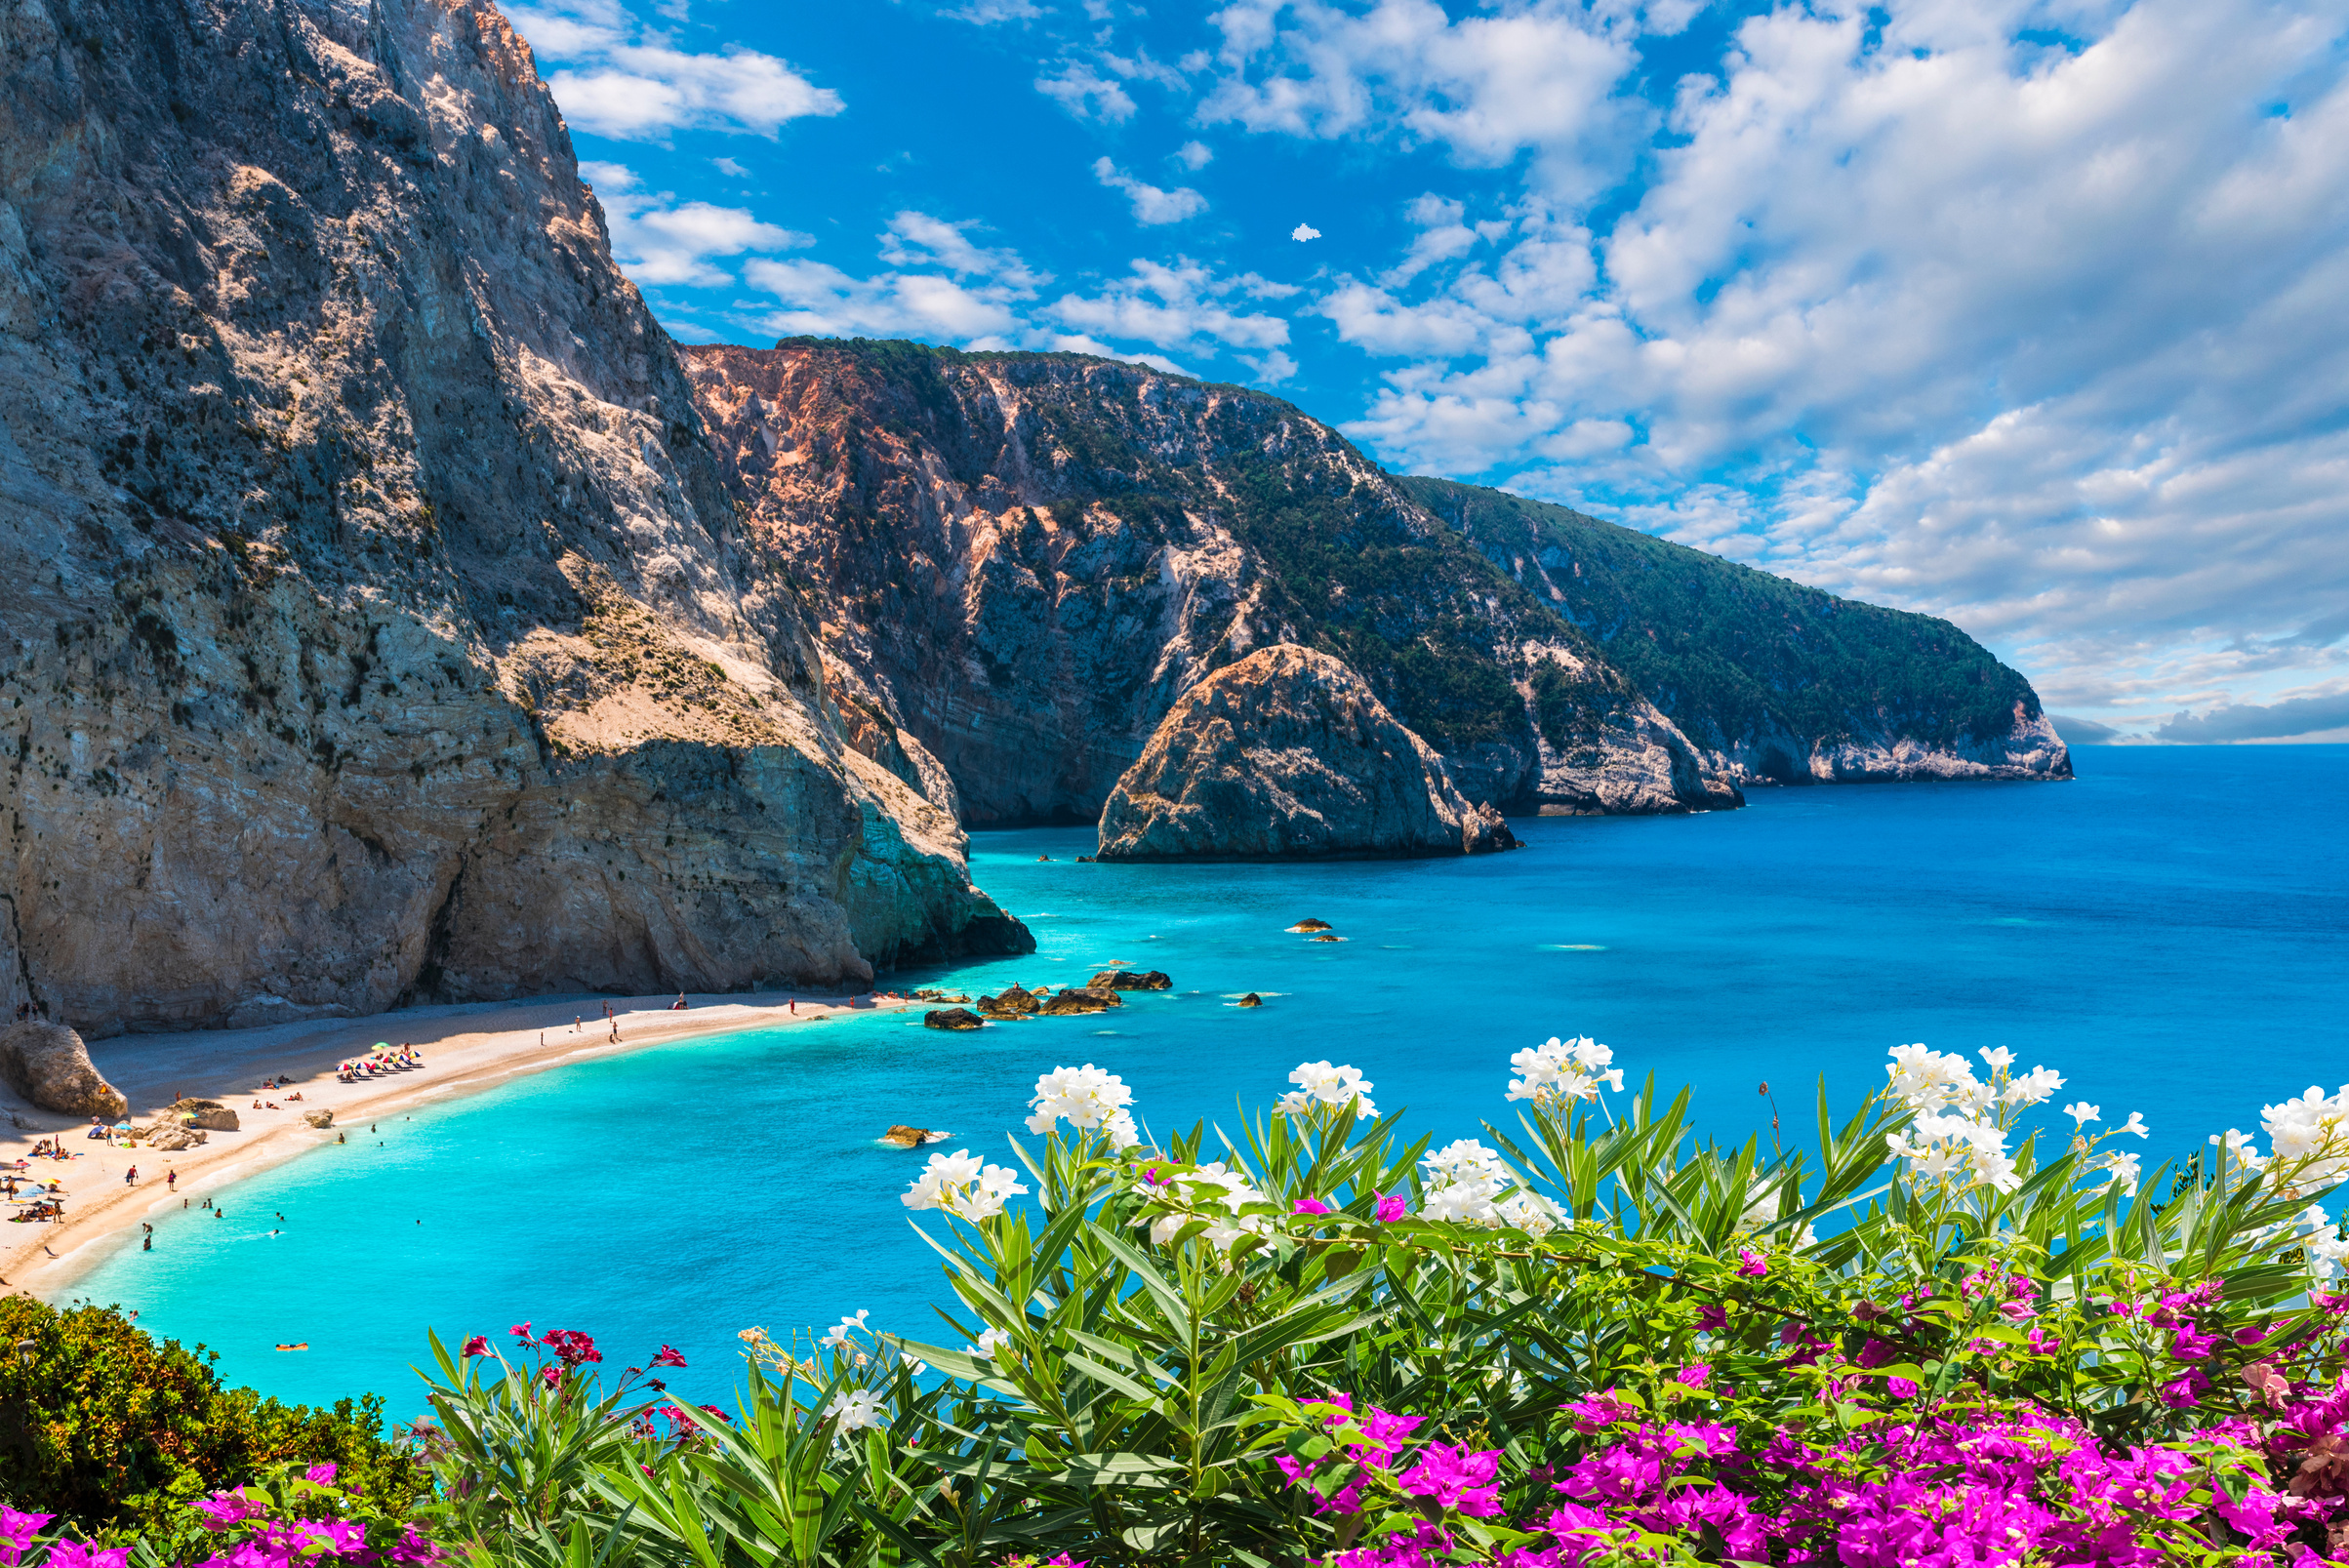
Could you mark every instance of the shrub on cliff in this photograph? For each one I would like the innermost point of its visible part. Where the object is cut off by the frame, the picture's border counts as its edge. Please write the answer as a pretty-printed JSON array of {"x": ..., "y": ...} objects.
[{"x": 108, "y": 1429}]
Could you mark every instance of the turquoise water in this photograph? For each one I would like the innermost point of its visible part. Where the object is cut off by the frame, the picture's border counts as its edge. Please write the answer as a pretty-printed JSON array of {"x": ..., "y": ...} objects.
[{"x": 2170, "y": 931}]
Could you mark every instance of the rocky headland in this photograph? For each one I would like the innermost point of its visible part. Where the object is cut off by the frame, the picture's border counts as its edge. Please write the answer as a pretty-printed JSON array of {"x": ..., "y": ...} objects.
[
  {"x": 1289, "y": 755},
  {"x": 375, "y": 621}
]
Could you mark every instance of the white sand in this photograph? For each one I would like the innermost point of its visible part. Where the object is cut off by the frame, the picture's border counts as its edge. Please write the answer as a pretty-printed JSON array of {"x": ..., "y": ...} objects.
[{"x": 465, "y": 1050}]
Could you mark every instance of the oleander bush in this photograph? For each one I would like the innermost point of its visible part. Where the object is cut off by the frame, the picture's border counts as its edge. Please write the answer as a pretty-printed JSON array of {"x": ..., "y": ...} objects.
[
  {"x": 109, "y": 1430},
  {"x": 1932, "y": 1335}
]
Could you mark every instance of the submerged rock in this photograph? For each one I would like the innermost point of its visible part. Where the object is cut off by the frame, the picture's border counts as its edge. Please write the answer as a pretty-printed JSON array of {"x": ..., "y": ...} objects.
[
  {"x": 1085, "y": 999},
  {"x": 902, "y": 1136},
  {"x": 1127, "y": 979},
  {"x": 1289, "y": 755},
  {"x": 950, "y": 1018},
  {"x": 48, "y": 1064}
]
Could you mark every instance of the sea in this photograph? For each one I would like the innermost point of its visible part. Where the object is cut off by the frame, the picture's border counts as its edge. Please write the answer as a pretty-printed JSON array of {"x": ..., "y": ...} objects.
[{"x": 2169, "y": 931}]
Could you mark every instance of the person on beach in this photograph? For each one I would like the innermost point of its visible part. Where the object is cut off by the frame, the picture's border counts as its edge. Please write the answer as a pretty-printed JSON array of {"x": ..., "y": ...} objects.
[
  {"x": 794, "y": 1007},
  {"x": 678, "y": 1006},
  {"x": 130, "y": 1178},
  {"x": 171, "y": 1181},
  {"x": 575, "y": 1024}
]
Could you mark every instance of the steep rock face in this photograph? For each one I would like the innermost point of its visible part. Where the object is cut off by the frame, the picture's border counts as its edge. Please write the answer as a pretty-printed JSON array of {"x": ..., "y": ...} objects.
[
  {"x": 1289, "y": 755},
  {"x": 47, "y": 1065},
  {"x": 1025, "y": 559},
  {"x": 374, "y": 623},
  {"x": 1774, "y": 682}
]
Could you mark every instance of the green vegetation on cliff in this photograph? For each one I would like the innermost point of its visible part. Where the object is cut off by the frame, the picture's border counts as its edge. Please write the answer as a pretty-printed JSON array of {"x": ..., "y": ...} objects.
[{"x": 1728, "y": 652}]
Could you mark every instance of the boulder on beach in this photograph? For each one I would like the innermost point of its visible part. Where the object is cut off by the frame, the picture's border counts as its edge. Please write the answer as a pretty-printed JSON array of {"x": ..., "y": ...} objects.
[
  {"x": 1307, "y": 927},
  {"x": 1084, "y": 999},
  {"x": 930, "y": 995},
  {"x": 48, "y": 1064},
  {"x": 1127, "y": 979},
  {"x": 950, "y": 1018},
  {"x": 1249, "y": 1000},
  {"x": 319, "y": 1118},
  {"x": 902, "y": 1137},
  {"x": 209, "y": 1114},
  {"x": 1288, "y": 754},
  {"x": 170, "y": 1137}
]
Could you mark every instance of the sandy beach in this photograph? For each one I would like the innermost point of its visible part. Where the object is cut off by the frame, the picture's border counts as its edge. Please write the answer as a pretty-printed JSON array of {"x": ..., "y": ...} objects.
[{"x": 464, "y": 1049}]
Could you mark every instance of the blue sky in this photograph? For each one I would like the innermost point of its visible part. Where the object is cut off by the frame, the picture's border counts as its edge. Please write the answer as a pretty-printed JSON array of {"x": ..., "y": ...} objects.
[{"x": 2031, "y": 315}]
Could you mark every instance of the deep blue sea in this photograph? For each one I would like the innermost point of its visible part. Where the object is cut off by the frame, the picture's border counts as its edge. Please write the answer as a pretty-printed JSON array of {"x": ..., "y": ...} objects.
[{"x": 2170, "y": 931}]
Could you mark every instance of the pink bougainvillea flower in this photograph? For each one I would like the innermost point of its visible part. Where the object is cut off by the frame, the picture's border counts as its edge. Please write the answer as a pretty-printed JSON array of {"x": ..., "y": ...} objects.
[
  {"x": 1751, "y": 1264},
  {"x": 323, "y": 1474},
  {"x": 17, "y": 1530},
  {"x": 1713, "y": 1319},
  {"x": 1309, "y": 1206},
  {"x": 478, "y": 1345},
  {"x": 83, "y": 1554},
  {"x": 1390, "y": 1207},
  {"x": 1901, "y": 1387},
  {"x": 669, "y": 1357},
  {"x": 1694, "y": 1376},
  {"x": 223, "y": 1510}
]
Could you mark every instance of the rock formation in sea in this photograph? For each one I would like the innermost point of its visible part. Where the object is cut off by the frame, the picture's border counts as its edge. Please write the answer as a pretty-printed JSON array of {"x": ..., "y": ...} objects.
[
  {"x": 375, "y": 625},
  {"x": 1026, "y": 559},
  {"x": 47, "y": 1065},
  {"x": 1289, "y": 755}
]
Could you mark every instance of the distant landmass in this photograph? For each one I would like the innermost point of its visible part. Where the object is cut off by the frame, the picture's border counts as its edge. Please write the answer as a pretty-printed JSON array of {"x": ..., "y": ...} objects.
[{"x": 1022, "y": 560}]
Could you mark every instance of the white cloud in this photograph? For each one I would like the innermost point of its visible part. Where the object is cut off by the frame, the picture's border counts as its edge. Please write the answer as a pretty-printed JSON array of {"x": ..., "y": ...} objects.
[
  {"x": 2050, "y": 340},
  {"x": 1303, "y": 232},
  {"x": 616, "y": 81},
  {"x": 1194, "y": 155},
  {"x": 1152, "y": 205},
  {"x": 1088, "y": 94},
  {"x": 727, "y": 166},
  {"x": 1540, "y": 75},
  {"x": 974, "y": 302},
  {"x": 986, "y": 13},
  {"x": 1185, "y": 304},
  {"x": 659, "y": 240}
]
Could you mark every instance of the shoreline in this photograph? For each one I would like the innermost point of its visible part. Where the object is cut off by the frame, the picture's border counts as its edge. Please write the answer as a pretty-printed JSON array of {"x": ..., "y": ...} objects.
[{"x": 467, "y": 1049}]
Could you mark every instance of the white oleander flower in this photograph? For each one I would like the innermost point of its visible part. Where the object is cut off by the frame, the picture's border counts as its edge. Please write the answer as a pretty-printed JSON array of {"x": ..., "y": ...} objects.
[
  {"x": 2311, "y": 1128},
  {"x": 1942, "y": 1148},
  {"x": 2134, "y": 1124},
  {"x": 2238, "y": 1147},
  {"x": 856, "y": 1409},
  {"x": 2123, "y": 1172},
  {"x": 1319, "y": 1084},
  {"x": 1998, "y": 1056},
  {"x": 1216, "y": 1195},
  {"x": 1085, "y": 1097},
  {"x": 961, "y": 1184},
  {"x": 840, "y": 1337},
  {"x": 2320, "y": 1239},
  {"x": 912, "y": 1363},
  {"x": 1924, "y": 1079},
  {"x": 1557, "y": 1070},
  {"x": 1461, "y": 1202},
  {"x": 2082, "y": 1112},
  {"x": 989, "y": 1341},
  {"x": 1465, "y": 1159},
  {"x": 2033, "y": 1088},
  {"x": 1529, "y": 1212}
]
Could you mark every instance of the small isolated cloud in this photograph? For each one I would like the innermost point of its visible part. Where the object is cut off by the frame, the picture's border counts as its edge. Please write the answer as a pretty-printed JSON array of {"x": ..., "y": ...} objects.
[
  {"x": 659, "y": 240},
  {"x": 1151, "y": 206},
  {"x": 614, "y": 81},
  {"x": 1272, "y": 368},
  {"x": 1305, "y": 232},
  {"x": 2252, "y": 721},
  {"x": 727, "y": 166},
  {"x": 1194, "y": 155}
]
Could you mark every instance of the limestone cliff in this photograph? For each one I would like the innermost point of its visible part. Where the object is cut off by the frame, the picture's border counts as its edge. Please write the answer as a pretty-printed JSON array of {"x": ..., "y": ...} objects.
[
  {"x": 1024, "y": 560},
  {"x": 1288, "y": 756},
  {"x": 374, "y": 623}
]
